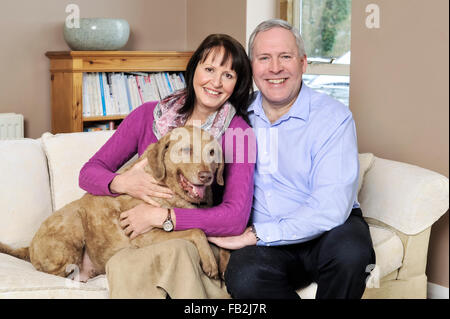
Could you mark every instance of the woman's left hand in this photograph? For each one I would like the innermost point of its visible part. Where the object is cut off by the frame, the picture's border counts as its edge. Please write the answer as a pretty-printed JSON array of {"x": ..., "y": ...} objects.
[
  {"x": 141, "y": 219},
  {"x": 247, "y": 238}
]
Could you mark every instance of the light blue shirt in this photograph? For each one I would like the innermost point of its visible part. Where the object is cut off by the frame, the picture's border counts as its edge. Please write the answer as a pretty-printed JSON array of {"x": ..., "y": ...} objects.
[{"x": 306, "y": 174}]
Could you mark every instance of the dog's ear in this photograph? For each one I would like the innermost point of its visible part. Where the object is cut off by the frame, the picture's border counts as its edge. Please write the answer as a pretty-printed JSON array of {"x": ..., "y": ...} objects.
[
  {"x": 219, "y": 173},
  {"x": 155, "y": 157}
]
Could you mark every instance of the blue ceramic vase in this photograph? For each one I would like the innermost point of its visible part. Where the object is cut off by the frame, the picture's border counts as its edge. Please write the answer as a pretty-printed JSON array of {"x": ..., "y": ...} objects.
[{"x": 97, "y": 34}]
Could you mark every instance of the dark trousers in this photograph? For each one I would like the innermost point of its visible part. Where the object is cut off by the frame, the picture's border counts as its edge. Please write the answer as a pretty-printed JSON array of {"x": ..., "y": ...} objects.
[{"x": 338, "y": 261}]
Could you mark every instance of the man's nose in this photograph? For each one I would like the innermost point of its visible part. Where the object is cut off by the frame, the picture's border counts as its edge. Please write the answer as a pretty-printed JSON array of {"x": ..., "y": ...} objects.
[{"x": 275, "y": 66}]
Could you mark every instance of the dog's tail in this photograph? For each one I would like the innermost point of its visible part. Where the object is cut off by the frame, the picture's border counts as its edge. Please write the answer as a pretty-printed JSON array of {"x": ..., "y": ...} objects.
[{"x": 22, "y": 253}]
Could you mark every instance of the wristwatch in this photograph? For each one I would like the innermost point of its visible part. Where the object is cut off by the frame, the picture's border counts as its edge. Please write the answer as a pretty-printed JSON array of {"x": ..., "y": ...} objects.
[{"x": 168, "y": 224}]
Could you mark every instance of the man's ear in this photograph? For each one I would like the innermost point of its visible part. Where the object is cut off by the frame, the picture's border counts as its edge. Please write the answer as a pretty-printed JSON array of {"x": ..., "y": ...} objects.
[
  {"x": 305, "y": 63},
  {"x": 155, "y": 157}
]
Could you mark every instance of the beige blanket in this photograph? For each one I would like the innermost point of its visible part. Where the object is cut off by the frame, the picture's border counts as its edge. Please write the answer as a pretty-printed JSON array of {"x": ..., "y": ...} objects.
[{"x": 171, "y": 267}]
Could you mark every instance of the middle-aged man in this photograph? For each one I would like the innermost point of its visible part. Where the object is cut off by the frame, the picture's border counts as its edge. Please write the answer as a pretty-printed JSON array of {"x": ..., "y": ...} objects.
[{"x": 307, "y": 225}]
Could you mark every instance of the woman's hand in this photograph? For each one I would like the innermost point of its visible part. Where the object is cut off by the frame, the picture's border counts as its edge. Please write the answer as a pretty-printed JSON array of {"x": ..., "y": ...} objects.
[
  {"x": 137, "y": 183},
  {"x": 141, "y": 219},
  {"x": 247, "y": 238}
]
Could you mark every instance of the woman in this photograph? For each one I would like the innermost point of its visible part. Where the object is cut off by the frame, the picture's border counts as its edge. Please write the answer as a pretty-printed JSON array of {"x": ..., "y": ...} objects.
[{"x": 218, "y": 87}]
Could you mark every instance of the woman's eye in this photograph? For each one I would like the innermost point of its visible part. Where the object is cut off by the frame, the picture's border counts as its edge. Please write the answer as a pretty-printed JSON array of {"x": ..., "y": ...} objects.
[
  {"x": 209, "y": 69},
  {"x": 229, "y": 76}
]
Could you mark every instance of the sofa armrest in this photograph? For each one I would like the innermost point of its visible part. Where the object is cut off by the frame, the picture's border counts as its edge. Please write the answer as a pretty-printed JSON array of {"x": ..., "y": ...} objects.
[
  {"x": 407, "y": 197},
  {"x": 415, "y": 250}
]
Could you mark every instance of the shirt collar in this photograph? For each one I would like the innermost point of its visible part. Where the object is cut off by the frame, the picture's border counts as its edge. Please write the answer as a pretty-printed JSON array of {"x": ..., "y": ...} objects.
[{"x": 300, "y": 109}]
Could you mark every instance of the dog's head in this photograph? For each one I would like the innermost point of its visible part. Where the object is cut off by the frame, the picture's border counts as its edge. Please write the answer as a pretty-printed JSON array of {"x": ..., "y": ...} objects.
[{"x": 186, "y": 160}]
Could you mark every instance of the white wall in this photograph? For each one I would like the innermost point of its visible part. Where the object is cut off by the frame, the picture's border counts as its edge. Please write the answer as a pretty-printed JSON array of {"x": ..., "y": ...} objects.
[{"x": 258, "y": 11}]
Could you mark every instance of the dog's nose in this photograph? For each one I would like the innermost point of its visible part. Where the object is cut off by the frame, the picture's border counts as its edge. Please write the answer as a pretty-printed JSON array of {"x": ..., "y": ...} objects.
[{"x": 205, "y": 176}]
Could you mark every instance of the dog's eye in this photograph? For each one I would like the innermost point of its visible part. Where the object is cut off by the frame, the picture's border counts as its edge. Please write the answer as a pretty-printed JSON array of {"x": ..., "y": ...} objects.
[{"x": 211, "y": 152}]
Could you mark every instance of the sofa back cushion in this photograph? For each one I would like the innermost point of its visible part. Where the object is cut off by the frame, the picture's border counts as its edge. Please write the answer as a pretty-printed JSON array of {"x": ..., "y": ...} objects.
[
  {"x": 25, "y": 199},
  {"x": 365, "y": 163},
  {"x": 66, "y": 155}
]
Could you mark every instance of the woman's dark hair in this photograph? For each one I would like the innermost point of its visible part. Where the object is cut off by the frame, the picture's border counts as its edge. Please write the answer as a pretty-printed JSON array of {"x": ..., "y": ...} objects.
[{"x": 243, "y": 90}]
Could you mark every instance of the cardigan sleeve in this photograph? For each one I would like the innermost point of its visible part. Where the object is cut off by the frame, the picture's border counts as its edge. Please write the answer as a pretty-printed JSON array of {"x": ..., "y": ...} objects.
[
  {"x": 231, "y": 216},
  {"x": 96, "y": 175}
]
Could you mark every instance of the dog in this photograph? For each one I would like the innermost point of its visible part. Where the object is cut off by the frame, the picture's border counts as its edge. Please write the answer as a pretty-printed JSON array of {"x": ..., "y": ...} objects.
[{"x": 91, "y": 224}]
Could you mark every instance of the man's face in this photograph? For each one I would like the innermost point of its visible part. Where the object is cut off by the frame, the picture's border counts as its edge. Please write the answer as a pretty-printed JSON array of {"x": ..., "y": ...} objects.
[{"x": 277, "y": 67}]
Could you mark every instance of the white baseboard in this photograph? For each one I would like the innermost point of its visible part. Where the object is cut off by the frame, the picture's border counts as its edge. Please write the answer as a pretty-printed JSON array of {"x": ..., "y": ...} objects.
[{"x": 435, "y": 291}]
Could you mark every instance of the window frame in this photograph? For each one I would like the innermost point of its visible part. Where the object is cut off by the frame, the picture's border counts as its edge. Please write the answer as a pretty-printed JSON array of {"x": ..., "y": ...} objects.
[{"x": 290, "y": 11}]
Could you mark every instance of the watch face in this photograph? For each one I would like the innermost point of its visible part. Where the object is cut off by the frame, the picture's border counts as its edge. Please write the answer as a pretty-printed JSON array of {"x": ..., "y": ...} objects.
[{"x": 168, "y": 225}]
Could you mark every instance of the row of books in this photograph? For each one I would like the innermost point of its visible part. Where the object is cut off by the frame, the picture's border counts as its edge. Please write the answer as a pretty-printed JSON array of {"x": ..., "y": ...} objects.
[
  {"x": 111, "y": 93},
  {"x": 111, "y": 125}
]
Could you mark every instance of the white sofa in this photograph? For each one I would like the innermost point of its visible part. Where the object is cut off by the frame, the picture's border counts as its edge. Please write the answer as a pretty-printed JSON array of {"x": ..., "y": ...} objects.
[{"x": 38, "y": 176}]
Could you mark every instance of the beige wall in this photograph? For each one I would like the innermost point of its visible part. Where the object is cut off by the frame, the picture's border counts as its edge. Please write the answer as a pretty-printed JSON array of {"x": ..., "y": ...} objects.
[
  {"x": 30, "y": 28},
  {"x": 215, "y": 16},
  {"x": 399, "y": 94}
]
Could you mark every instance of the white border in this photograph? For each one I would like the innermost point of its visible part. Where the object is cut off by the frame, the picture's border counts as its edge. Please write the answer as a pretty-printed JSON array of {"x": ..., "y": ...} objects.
[{"x": 435, "y": 291}]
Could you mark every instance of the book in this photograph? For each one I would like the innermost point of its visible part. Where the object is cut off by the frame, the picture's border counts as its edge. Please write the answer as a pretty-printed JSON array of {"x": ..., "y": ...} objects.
[{"x": 102, "y": 93}]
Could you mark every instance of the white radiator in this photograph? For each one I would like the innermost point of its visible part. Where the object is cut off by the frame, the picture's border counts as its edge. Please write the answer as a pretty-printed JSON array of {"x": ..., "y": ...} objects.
[{"x": 11, "y": 126}]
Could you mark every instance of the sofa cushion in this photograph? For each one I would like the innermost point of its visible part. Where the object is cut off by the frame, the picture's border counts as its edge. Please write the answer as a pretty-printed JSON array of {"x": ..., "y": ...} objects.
[
  {"x": 365, "y": 163},
  {"x": 66, "y": 155},
  {"x": 388, "y": 250},
  {"x": 25, "y": 199},
  {"x": 19, "y": 279},
  {"x": 389, "y": 255}
]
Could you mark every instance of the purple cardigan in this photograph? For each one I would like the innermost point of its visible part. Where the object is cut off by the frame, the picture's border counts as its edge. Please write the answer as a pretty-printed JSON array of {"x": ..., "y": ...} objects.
[{"x": 133, "y": 136}]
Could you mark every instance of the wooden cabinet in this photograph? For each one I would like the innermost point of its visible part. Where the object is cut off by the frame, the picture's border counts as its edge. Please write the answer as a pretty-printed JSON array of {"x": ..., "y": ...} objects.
[{"x": 67, "y": 70}]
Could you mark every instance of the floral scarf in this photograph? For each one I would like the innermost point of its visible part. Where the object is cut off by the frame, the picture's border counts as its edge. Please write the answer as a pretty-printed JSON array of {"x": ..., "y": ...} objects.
[{"x": 166, "y": 116}]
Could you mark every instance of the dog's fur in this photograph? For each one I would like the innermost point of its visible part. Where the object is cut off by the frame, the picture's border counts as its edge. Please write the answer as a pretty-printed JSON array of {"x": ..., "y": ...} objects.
[{"x": 91, "y": 223}]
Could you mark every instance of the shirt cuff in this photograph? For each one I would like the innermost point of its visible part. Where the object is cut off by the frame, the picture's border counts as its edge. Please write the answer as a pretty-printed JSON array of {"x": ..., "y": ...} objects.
[{"x": 267, "y": 233}]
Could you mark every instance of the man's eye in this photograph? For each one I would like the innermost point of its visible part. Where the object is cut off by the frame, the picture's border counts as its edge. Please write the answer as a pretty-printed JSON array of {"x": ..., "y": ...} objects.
[{"x": 286, "y": 57}]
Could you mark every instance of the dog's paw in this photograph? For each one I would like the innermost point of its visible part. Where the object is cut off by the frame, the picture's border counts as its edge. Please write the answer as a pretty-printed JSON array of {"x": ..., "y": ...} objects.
[{"x": 210, "y": 269}]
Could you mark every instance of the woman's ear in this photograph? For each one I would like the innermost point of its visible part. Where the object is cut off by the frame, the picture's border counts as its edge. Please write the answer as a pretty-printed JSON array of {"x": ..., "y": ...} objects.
[{"x": 155, "y": 156}]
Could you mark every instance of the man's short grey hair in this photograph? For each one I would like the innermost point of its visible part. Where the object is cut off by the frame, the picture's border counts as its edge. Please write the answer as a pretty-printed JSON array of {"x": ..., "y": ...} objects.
[{"x": 276, "y": 23}]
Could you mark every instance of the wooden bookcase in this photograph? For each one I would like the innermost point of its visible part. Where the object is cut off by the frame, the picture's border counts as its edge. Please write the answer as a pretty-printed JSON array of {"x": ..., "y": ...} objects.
[{"x": 67, "y": 68}]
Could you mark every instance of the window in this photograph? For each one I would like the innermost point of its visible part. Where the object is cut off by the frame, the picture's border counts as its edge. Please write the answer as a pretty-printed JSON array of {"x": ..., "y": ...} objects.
[{"x": 325, "y": 27}]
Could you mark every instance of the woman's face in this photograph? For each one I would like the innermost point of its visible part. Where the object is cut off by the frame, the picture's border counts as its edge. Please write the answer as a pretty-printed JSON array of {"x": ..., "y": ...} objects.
[{"x": 213, "y": 83}]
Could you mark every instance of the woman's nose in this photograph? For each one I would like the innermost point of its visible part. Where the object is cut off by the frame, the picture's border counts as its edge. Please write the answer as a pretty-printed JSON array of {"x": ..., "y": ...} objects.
[{"x": 217, "y": 80}]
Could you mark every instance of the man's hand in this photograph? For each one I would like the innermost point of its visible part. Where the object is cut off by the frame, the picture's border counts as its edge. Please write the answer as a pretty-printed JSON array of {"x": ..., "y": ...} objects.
[
  {"x": 137, "y": 183},
  {"x": 247, "y": 238}
]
